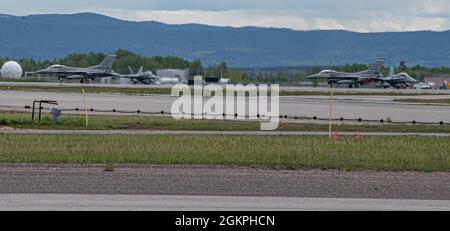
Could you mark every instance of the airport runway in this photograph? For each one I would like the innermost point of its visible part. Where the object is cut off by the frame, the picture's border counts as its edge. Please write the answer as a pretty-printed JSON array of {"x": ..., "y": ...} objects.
[
  {"x": 282, "y": 88},
  {"x": 209, "y": 133},
  {"x": 89, "y": 202},
  {"x": 348, "y": 107},
  {"x": 211, "y": 180}
]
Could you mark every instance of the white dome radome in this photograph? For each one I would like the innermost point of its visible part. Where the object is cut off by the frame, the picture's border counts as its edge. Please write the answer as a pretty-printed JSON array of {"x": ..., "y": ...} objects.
[{"x": 12, "y": 69}]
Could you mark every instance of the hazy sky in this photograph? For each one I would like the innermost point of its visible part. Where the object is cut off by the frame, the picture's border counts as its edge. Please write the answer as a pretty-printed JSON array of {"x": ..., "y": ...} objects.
[{"x": 355, "y": 15}]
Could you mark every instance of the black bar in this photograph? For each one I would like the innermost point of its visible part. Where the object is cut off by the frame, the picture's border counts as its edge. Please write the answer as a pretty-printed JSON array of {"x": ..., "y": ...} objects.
[
  {"x": 40, "y": 110},
  {"x": 32, "y": 115},
  {"x": 231, "y": 221}
]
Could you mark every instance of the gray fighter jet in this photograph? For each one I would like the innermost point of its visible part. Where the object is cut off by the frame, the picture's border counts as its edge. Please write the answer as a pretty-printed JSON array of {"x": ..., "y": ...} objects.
[
  {"x": 104, "y": 69},
  {"x": 354, "y": 79},
  {"x": 146, "y": 77},
  {"x": 400, "y": 80}
]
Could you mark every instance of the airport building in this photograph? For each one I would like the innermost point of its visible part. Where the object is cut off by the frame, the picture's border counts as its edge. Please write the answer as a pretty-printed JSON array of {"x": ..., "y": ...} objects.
[
  {"x": 114, "y": 80},
  {"x": 439, "y": 80}
]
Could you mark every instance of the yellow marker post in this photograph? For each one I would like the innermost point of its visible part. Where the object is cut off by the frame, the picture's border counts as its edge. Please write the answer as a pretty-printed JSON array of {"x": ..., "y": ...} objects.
[
  {"x": 85, "y": 107},
  {"x": 331, "y": 115}
]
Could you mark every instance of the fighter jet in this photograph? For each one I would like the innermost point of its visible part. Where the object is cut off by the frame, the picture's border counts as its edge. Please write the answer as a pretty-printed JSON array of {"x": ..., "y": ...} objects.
[
  {"x": 146, "y": 77},
  {"x": 104, "y": 69},
  {"x": 400, "y": 80},
  {"x": 353, "y": 79}
]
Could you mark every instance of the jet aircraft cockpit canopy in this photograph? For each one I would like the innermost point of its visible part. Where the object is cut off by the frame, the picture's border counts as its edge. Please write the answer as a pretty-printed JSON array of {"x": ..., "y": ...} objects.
[
  {"x": 325, "y": 72},
  {"x": 55, "y": 66}
]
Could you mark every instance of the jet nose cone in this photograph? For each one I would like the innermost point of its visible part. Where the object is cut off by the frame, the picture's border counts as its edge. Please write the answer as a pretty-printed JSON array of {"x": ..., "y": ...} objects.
[
  {"x": 411, "y": 79},
  {"x": 312, "y": 76},
  {"x": 40, "y": 71}
]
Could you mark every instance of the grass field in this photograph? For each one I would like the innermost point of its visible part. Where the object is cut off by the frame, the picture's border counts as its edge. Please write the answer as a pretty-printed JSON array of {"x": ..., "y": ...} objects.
[
  {"x": 424, "y": 101},
  {"x": 167, "y": 91},
  {"x": 374, "y": 153},
  {"x": 77, "y": 122}
]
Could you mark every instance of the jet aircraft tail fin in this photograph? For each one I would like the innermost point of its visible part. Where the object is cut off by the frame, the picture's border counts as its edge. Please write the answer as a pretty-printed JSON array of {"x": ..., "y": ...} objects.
[
  {"x": 107, "y": 63},
  {"x": 140, "y": 71},
  {"x": 377, "y": 66},
  {"x": 391, "y": 71}
]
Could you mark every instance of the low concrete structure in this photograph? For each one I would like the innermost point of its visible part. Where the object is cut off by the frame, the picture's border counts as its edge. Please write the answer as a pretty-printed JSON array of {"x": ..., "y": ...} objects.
[
  {"x": 173, "y": 73},
  {"x": 438, "y": 79}
]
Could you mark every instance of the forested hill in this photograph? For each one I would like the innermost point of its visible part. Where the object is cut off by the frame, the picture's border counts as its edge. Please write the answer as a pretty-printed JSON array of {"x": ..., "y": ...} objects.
[{"x": 55, "y": 36}]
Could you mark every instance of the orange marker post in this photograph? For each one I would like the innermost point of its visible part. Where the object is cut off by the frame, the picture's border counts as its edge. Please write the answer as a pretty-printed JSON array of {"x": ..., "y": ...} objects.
[{"x": 336, "y": 135}]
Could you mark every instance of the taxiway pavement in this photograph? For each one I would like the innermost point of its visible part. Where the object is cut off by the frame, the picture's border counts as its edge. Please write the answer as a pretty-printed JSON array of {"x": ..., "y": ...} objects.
[
  {"x": 347, "y": 107},
  {"x": 89, "y": 202}
]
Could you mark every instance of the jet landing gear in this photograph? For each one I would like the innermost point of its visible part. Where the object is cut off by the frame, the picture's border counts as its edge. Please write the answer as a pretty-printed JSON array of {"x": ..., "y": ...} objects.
[
  {"x": 84, "y": 81},
  {"x": 344, "y": 83},
  {"x": 355, "y": 85},
  {"x": 333, "y": 84}
]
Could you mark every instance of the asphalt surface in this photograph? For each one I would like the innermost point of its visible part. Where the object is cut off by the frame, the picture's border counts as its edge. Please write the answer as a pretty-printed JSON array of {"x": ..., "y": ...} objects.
[
  {"x": 205, "y": 133},
  {"x": 282, "y": 88},
  {"x": 76, "y": 202},
  {"x": 348, "y": 107},
  {"x": 286, "y": 88},
  {"x": 220, "y": 181}
]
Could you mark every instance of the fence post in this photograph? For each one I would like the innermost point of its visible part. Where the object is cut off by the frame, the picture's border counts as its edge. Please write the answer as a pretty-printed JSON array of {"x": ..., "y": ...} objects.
[
  {"x": 85, "y": 107},
  {"x": 331, "y": 115}
]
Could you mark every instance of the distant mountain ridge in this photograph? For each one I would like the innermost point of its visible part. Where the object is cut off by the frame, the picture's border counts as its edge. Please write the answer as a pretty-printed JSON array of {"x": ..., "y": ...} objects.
[{"x": 51, "y": 36}]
